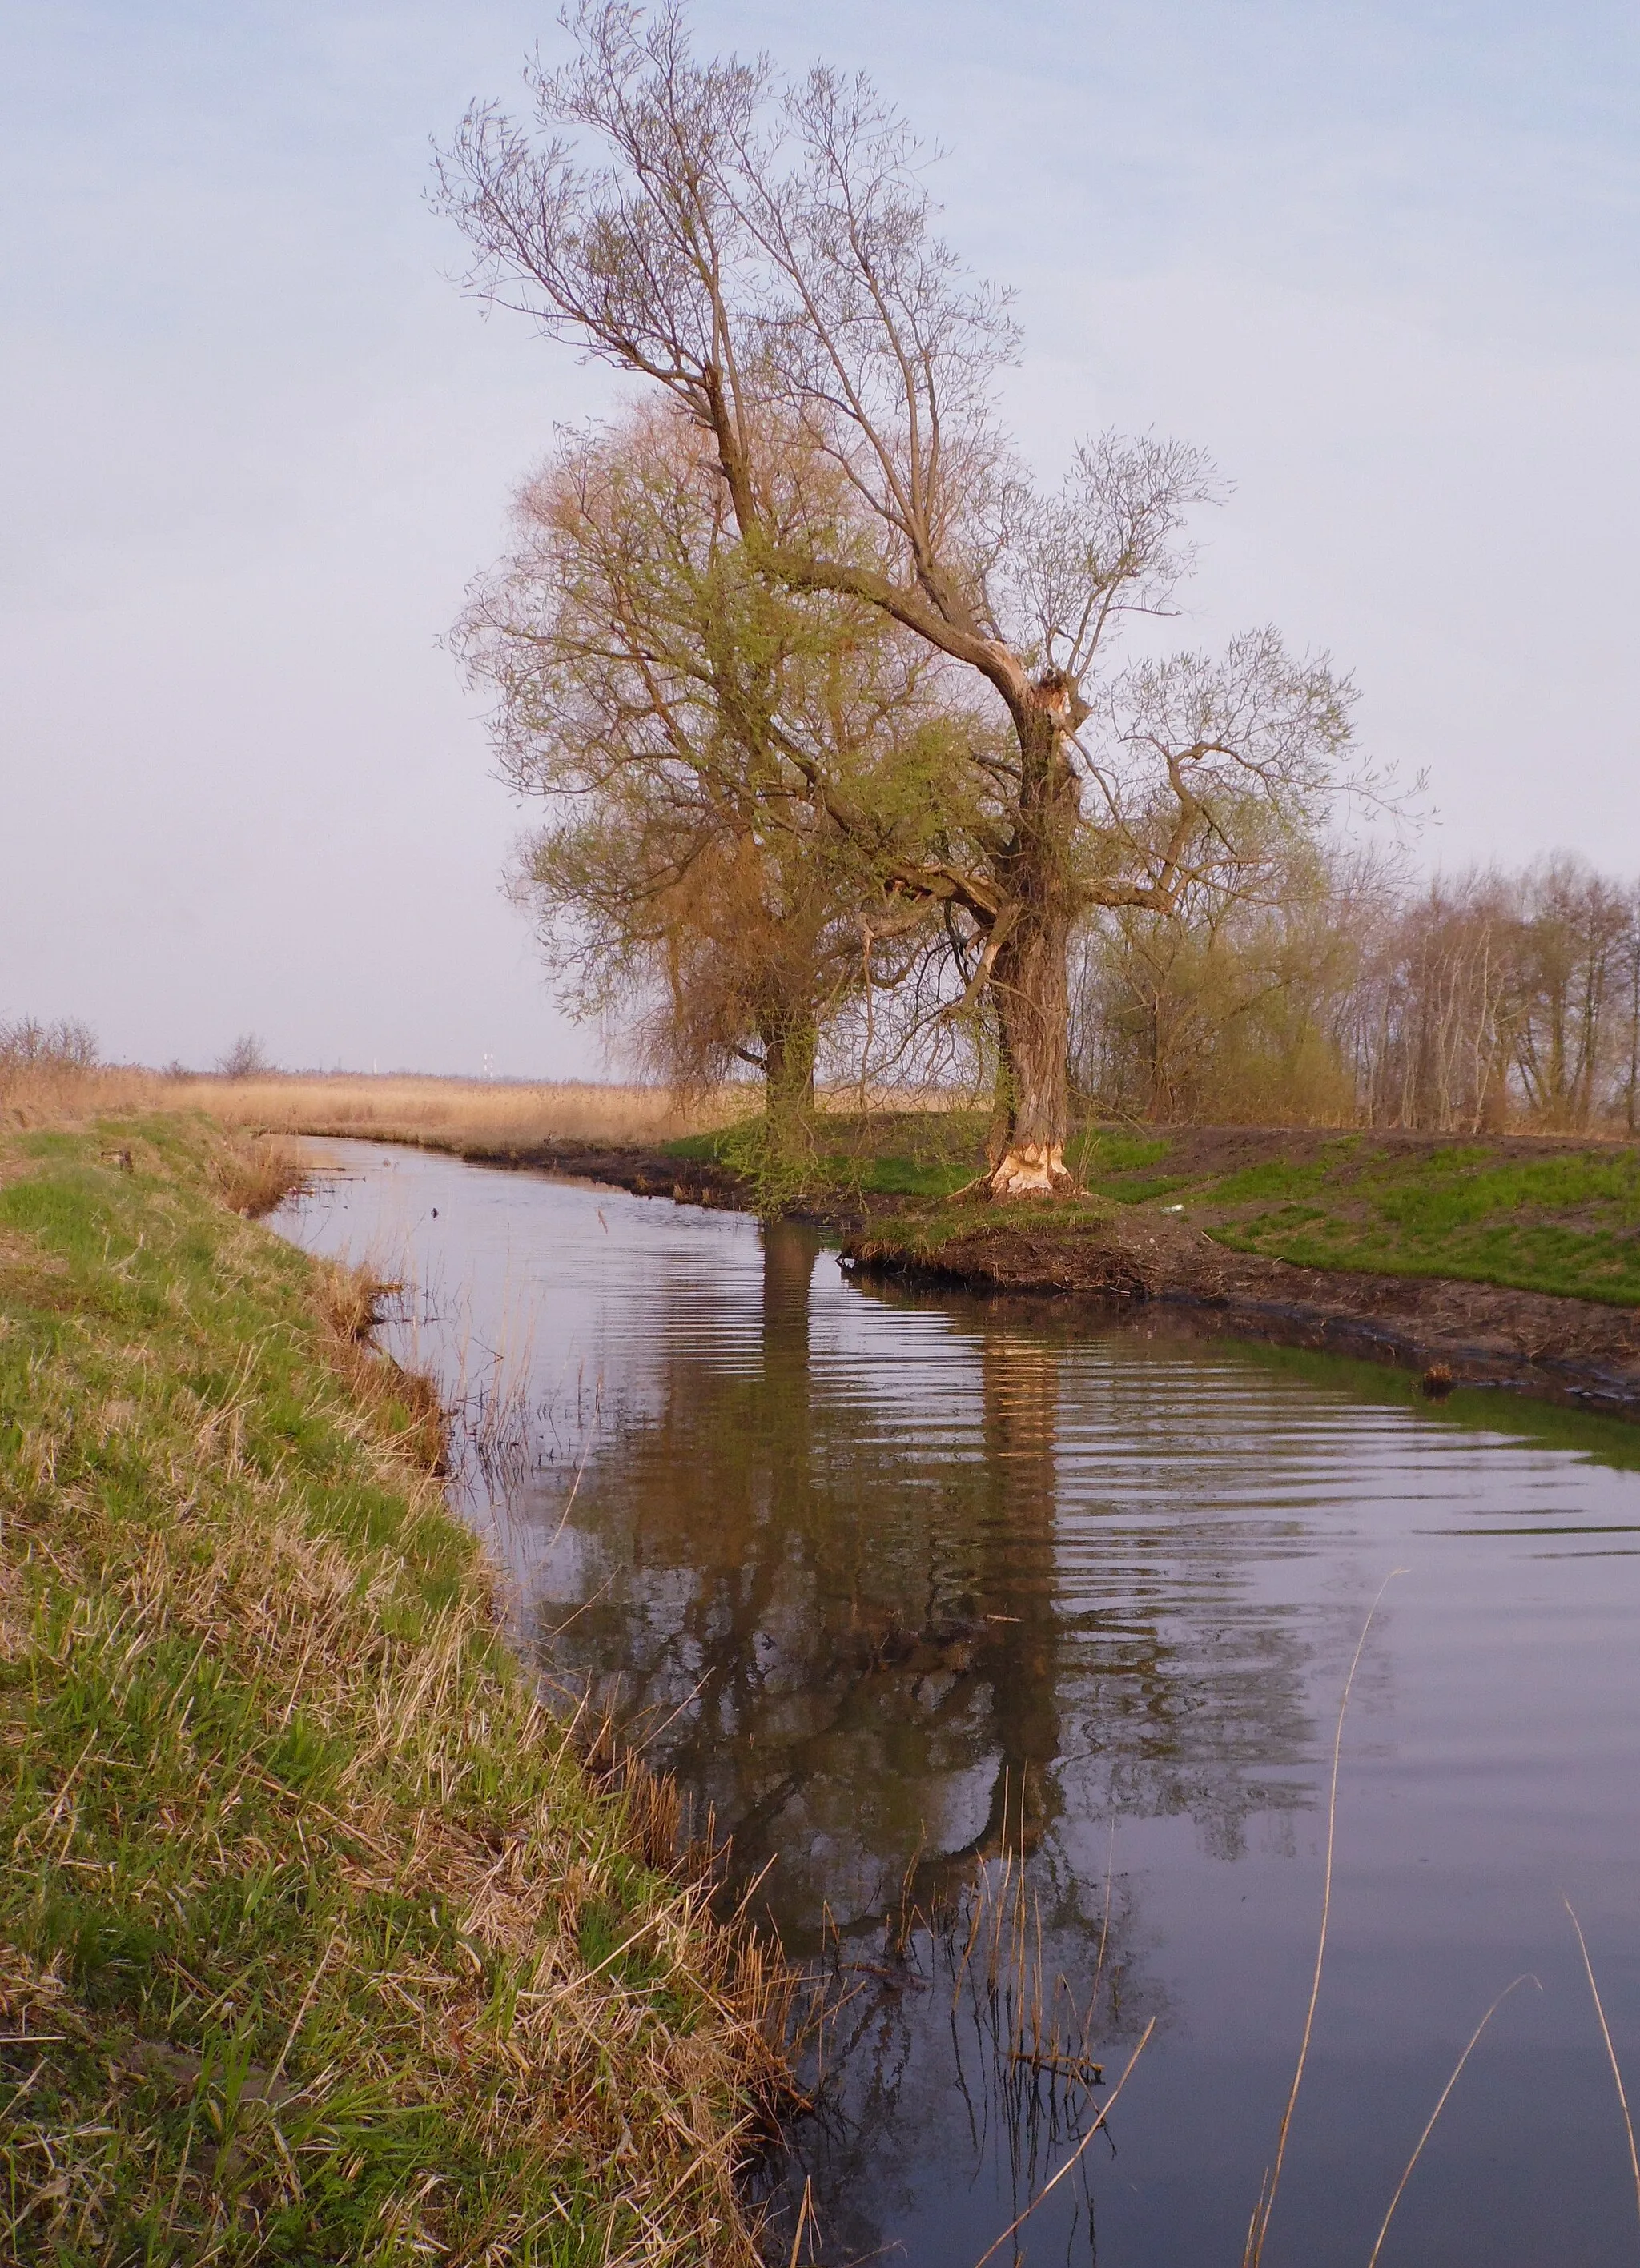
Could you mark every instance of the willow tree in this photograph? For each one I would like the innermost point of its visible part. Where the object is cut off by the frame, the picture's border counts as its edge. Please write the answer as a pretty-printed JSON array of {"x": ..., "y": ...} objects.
[
  {"x": 764, "y": 252},
  {"x": 737, "y": 773}
]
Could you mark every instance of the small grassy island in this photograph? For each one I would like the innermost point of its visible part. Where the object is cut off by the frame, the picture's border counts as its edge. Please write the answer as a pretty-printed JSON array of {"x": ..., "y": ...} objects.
[{"x": 318, "y": 1943}]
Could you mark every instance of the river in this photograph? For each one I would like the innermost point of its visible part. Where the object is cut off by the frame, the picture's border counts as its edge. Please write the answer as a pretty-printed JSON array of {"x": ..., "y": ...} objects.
[{"x": 1011, "y": 1645}]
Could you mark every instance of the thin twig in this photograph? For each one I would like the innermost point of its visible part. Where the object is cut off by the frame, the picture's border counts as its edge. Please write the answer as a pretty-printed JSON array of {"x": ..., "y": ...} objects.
[
  {"x": 1260, "y": 2227},
  {"x": 1144, "y": 2039},
  {"x": 1588, "y": 1971},
  {"x": 1439, "y": 2107}
]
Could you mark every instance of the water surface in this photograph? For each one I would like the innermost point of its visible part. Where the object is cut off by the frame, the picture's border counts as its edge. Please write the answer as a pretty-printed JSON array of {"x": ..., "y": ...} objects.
[{"x": 916, "y": 1592}]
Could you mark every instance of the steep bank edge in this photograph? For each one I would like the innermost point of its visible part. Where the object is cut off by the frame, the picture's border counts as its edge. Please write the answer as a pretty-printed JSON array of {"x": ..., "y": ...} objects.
[{"x": 315, "y": 1937}]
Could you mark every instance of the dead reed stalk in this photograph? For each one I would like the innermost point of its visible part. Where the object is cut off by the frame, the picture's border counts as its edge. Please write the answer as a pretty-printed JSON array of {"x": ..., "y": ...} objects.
[
  {"x": 1440, "y": 2105},
  {"x": 1104, "y": 2111},
  {"x": 1258, "y": 2227},
  {"x": 1606, "y": 2034}
]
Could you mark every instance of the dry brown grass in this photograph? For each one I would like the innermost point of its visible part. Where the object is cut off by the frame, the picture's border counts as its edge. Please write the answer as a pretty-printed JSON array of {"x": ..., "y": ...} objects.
[
  {"x": 403, "y": 1404},
  {"x": 65, "y": 1095},
  {"x": 453, "y": 1113},
  {"x": 444, "y": 1113},
  {"x": 256, "y": 1172}
]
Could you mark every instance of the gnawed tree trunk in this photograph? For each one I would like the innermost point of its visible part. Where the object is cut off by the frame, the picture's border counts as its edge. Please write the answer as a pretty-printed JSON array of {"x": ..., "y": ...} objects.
[
  {"x": 1031, "y": 971},
  {"x": 1028, "y": 982}
]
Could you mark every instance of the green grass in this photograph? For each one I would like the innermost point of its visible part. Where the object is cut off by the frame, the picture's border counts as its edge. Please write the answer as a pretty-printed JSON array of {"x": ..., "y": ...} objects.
[
  {"x": 1123, "y": 1166},
  {"x": 1567, "y": 1222},
  {"x": 700, "y": 1149},
  {"x": 921, "y": 1234},
  {"x": 926, "y": 1155},
  {"x": 316, "y": 1943},
  {"x": 904, "y": 1177}
]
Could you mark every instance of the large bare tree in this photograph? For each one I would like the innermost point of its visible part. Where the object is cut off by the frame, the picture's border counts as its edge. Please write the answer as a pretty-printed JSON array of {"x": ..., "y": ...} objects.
[{"x": 765, "y": 252}]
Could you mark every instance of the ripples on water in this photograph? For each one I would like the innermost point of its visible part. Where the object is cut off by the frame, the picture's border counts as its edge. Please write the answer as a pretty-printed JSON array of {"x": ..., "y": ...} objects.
[{"x": 912, "y": 1590}]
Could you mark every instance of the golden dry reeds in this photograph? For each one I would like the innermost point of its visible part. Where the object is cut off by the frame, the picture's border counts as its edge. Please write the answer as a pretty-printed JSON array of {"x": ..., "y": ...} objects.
[
  {"x": 454, "y": 1113},
  {"x": 443, "y": 1113},
  {"x": 254, "y": 1174},
  {"x": 485, "y": 1115}
]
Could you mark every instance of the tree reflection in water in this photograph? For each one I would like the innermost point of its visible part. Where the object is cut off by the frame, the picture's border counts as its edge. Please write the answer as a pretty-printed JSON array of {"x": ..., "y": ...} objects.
[{"x": 852, "y": 1631}]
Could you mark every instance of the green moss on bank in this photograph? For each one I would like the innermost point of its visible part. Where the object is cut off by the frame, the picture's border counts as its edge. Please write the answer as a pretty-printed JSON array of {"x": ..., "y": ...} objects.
[{"x": 316, "y": 1944}]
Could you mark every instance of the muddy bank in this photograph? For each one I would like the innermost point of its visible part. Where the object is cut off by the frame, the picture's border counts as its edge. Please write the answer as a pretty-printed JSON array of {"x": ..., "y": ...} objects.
[
  {"x": 1578, "y": 1352},
  {"x": 646, "y": 1172}
]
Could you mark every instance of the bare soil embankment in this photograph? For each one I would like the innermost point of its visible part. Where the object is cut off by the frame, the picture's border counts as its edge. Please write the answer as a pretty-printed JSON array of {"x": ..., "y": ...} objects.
[
  {"x": 644, "y": 1170},
  {"x": 1583, "y": 1353}
]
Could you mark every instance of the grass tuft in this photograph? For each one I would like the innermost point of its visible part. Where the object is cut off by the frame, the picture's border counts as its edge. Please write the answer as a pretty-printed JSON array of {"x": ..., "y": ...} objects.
[{"x": 253, "y": 1173}]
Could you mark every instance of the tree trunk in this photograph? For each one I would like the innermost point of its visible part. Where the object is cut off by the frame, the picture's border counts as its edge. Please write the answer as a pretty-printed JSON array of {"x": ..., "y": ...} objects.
[
  {"x": 1031, "y": 975},
  {"x": 791, "y": 1040},
  {"x": 1028, "y": 984}
]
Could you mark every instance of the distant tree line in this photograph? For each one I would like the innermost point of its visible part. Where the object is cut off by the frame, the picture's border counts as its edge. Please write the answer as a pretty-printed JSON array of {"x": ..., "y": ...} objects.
[
  {"x": 1461, "y": 1004},
  {"x": 37, "y": 1043}
]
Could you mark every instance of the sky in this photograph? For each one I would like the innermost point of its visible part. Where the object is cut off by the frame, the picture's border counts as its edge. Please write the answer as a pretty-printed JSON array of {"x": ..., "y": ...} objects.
[{"x": 1379, "y": 259}]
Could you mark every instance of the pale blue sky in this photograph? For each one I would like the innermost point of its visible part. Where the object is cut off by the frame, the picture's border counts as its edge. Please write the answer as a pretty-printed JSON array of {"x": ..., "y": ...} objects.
[{"x": 1381, "y": 259}]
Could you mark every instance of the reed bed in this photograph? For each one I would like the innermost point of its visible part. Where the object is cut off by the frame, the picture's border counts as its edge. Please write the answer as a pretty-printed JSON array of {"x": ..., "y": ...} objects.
[
  {"x": 1029, "y": 2078},
  {"x": 444, "y": 1113},
  {"x": 319, "y": 1939},
  {"x": 458, "y": 1114},
  {"x": 450, "y": 1113}
]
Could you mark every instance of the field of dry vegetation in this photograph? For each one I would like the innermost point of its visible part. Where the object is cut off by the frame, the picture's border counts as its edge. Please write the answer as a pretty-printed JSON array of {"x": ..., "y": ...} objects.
[
  {"x": 442, "y": 1112},
  {"x": 464, "y": 1115}
]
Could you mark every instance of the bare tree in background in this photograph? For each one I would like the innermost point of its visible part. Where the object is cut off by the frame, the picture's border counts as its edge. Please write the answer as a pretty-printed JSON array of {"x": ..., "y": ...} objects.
[
  {"x": 763, "y": 253},
  {"x": 247, "y": 1058},
  {"x": 1234, "y": 1008},
  {"x": 1436, "y": 1010},
  {"x": 28, "y": 1043},
  {"x": 1569, "y": 964}
]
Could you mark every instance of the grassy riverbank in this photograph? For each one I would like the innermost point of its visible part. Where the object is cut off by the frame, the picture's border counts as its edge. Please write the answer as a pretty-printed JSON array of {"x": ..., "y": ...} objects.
[
  {"x": 316, "y": 1942},
  {"x": 1544, "y": 1215},
  {"x": 1539, "y": 1213},
  {"x": 1535, "y": 1213}
]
